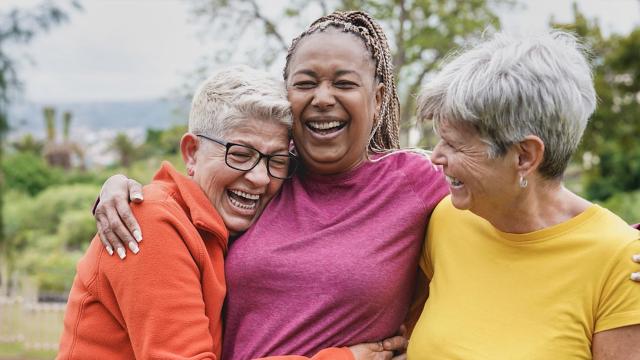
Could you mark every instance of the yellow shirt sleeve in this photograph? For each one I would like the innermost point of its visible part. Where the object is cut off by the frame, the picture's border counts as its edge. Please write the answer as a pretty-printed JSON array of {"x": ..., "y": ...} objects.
[{"x": 619, "y": 303}]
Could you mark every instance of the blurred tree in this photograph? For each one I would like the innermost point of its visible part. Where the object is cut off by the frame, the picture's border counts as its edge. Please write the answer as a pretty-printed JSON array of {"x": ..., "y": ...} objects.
[
  {"x": 19, "y": 26},
  {"x": 47, "y": 233},
  {"x": 125, "y": 149},
  {"x": 29, "y": 144},
  {"x": 421, "y": 32},
  {"x": 28, "y": 172},
  {"x": 610, "y": 151},
  {"x": 165, "y": 142}
]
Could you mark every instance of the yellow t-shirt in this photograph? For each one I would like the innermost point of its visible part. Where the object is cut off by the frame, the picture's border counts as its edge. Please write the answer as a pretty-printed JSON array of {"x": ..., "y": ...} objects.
[{"x": 540, "y": 295}]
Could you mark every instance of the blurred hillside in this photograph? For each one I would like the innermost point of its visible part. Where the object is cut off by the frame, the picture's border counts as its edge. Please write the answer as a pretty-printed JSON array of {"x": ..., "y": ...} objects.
[{"x": 95, "y": 124}]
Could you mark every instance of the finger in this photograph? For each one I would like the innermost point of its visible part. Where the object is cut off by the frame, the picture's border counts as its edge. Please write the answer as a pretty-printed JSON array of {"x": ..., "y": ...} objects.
[
  {"x": 386, "y": 355},
  {"x": 103, "y": 239},
  {"x": 124, "y": 212},
  {"x": 636, "y": 258},
  {"x": 635, "y": 276},
  {"x": 396, "y": 343},
  {"x": 108, "y": 235},
  {"x": 117, "y": 233},
  {"x": 135, "y": 191},
  {"x": 402, "y": 331}
]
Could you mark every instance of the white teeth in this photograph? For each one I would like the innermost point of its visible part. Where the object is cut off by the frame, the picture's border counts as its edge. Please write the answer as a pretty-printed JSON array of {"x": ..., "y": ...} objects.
[
  {"x": 454, "y": 182},
  {"x": 243, "y": 206},
  {"x": 324, "y": 125},
  {"x": 246, "y": 195}
]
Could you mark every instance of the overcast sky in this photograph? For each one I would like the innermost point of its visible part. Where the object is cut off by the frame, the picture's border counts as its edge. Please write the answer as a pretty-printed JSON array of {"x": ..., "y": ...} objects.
[{"x": 142, "y": 49}]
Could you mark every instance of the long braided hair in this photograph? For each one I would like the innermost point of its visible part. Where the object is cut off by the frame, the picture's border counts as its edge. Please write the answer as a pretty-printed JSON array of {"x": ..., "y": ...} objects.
[{"x": 385, "y": 132}]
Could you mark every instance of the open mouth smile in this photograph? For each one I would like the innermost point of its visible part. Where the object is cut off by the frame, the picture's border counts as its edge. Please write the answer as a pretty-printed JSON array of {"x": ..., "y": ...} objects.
[
  {"x": 243, "y": 200},
  {"x": 325, "y": 127},
  {"x": 454, "y": 182}
]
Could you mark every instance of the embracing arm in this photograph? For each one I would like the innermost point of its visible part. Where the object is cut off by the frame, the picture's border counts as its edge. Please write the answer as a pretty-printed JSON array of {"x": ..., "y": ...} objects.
[
  {"x": 421, "y": 293},
  {"x": 116, "y": 224},
  {"x": 382, "y": 350},
  {"x": 617, "y": 344}
]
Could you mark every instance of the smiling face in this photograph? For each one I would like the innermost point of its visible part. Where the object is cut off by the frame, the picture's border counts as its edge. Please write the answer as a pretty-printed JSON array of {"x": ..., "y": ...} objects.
[
  {"x": 477, "y": 182},
  {"x": 334, "y": 98},
  {"x": 239, "y": 196}
]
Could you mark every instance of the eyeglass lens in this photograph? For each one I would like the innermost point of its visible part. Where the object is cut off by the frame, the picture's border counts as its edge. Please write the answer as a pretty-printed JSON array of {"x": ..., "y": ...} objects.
[{"x": 245, "y": 158}]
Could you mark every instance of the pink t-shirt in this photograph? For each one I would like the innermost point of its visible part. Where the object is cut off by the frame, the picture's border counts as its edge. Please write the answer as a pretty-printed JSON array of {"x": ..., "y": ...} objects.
[{"x": 332, "y": 261}]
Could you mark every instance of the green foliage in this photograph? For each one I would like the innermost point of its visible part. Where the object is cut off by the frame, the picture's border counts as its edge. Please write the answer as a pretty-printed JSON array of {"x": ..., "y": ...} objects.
[
  {"x": 28, "y": 172},
  {"x": 164, "y": 142},
  {"x": 611, "y": 136},
  {"x": 28, "y": 144},
  {"x": 46, "y": 234},
  {"x": 124, "y": 147},
  {"x": 76, "y": 227},
  {"x": 625, "y": 205},
  {"x": 420, "y": 32},
  {"x": 616, "y": 171},
  {"x": 53, "y": 203}
]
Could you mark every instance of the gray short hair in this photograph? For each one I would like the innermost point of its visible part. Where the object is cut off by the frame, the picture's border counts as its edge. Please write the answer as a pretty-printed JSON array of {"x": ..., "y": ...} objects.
[
  {"x": 508, "y": 88},
  {"x": 234, "y": 94}
]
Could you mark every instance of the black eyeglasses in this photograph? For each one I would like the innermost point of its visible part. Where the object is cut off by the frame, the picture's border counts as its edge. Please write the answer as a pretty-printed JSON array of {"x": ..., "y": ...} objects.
[{"x": 244, "y": 158}]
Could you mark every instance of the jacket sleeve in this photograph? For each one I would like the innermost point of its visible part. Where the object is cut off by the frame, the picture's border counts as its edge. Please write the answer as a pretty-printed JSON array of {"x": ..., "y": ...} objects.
[
  {"x": 159, "y": 292},
  {"x": 326, "y": 354}
]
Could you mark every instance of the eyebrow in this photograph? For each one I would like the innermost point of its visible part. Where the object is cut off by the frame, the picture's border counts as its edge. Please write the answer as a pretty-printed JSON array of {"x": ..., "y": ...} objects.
[
  {"x": 245, "y": 143},
  {"x": 337, "y": 73}
]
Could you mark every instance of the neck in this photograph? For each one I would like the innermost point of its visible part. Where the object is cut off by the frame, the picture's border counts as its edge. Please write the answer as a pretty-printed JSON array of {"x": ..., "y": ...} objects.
[
  {"x": 332, "y": 168},
  {"x": 539, "y": 206}
]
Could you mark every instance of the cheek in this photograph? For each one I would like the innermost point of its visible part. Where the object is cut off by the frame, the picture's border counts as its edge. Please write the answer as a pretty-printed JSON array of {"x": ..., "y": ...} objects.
[{"x": 297, "y": 101}]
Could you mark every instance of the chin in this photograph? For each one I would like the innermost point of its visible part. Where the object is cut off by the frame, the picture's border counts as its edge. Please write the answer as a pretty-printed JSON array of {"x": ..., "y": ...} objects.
[{"x": 460, "y": 203}]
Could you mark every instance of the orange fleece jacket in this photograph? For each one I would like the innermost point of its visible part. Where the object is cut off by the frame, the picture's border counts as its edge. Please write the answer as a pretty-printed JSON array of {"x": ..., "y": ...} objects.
[{"x": 166, "y": 301}]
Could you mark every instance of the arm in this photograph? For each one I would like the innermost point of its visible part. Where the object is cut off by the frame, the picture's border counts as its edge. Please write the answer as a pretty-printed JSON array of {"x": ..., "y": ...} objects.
[
  {"x": 617, "y": 318},
  {"x": 116, "y": 224},
  {"x": 636, "y": 275},
  {"x": 617, "y": 344},
  {"x": 421, "y": 293},
  {"x": 382, "y": 350},
  {"x": 159, "y": 295}
]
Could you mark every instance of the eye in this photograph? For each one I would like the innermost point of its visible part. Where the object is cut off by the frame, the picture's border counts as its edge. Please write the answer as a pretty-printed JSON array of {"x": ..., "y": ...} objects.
[
  {"x": 345, "y": 84},
  {"x": 239, "y": 154},
  {"x": 305, "y": 84},
  {"x": 279, "y": 161}
]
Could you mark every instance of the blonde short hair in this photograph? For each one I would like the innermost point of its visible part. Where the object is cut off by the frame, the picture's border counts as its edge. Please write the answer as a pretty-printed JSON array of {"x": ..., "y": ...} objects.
[{"x": 234, "y": 94}]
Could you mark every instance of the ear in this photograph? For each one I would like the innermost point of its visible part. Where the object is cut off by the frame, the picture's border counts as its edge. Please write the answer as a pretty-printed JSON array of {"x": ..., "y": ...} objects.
[
  {"x": 379, "y": 96},
  {"x": 189, "y": 145},
  {"x": 530, "y": 153}
]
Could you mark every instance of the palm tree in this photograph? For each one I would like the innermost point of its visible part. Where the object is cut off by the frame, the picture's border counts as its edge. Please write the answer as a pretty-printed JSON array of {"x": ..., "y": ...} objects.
[{"x": 125, "y": 148}]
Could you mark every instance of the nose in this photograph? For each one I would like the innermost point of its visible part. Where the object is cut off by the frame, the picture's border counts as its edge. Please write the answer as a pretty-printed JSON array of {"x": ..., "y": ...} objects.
[
  {"x": 437, "y": 156},
  {"x": 323, "y": 96},
  {"x": 259, "y": 176}
]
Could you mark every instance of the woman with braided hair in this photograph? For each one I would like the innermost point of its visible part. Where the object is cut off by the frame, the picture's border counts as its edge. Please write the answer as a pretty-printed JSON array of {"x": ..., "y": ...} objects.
[{"x": 332, "y": 261}]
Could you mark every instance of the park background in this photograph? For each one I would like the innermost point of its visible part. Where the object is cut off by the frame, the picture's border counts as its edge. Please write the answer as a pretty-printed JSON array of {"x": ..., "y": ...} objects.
[{"x": 89, "y": 88}]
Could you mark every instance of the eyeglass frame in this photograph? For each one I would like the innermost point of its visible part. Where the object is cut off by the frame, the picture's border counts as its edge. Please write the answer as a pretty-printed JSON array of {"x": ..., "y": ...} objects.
[{"x": 293, "y": 163}]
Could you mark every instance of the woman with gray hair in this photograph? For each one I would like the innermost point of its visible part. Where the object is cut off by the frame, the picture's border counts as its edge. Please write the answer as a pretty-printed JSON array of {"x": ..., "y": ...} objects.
[{"x": 519, "y": 266}]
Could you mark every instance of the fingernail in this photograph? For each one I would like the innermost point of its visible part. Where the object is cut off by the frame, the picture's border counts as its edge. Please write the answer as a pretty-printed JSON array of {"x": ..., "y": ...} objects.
[
  {"x": 635, "y": 276},
  {"x": 110, "y": 250},
  {"x": 137, "y": 235},
  {"x": 134, "y": 247},
  {"x": 136, "y": 196},
  {"x": 121, "y": 253},
  {"x": 387, "y": 344},
  {"x": 636, "y": 258}
]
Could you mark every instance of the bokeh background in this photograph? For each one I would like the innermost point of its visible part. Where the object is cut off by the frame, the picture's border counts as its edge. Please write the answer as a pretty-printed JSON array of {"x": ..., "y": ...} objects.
[{"x": 89, "y": 88}]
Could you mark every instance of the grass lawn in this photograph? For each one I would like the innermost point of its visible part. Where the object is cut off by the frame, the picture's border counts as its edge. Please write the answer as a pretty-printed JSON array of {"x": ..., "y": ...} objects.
[{"x": 17, "y": 351}]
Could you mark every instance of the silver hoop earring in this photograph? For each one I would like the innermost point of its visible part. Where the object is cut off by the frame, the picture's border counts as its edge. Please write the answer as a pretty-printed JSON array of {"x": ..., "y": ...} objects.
[{"x": 523, "y": 182}]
